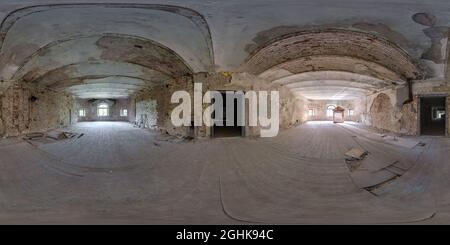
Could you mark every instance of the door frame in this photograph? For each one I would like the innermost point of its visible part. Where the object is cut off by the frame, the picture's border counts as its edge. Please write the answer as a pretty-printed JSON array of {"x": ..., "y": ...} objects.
[
  {"x": 419, "y": 97},
  {"x": 211, "y": 128}
]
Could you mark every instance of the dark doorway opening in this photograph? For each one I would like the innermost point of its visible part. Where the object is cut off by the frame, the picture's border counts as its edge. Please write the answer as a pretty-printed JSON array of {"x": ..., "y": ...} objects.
[
  {"x": 228, "y": 131},
  {"x": 433, "y": 115}
]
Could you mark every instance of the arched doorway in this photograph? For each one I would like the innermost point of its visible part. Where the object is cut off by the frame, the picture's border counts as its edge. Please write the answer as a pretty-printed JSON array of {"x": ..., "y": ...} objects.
[{"x": 329, "y": 112}]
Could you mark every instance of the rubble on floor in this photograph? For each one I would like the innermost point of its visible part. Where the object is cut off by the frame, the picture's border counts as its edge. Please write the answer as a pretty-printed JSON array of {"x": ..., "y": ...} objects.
[
  {"x": 59, "y": 135},
  {"x": 356, "y": 153},
  {"x": 39, "y": 138},
  {"x": 173, "y": 138},
  {"x": 370, "y": 172}
]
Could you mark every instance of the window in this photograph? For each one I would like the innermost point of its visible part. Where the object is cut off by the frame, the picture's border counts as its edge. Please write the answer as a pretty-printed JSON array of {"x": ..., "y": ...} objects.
[
  {"x": 330, "y": 109},
  {"x": 311, "y": 112},
  {"x": 350, "y": 112},
  {"x": 437, "y": 113},
  {"x": 123, "y": 112},
  {"x": 82, "y": 113},
  {"x": 102, "y": 110}
]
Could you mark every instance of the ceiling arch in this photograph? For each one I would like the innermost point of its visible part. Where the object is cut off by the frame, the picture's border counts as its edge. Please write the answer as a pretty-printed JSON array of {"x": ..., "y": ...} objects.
[
  {"x": 103, "y": 50},
  {"x": 332, "y": 63},
  {"x": 100, "y": 69},
  {"x": 332, "y": 44},
  {"x": 331, "y": 76},
  {"x": 180, "y": 29},
  {"x": 71, "y": 62}
]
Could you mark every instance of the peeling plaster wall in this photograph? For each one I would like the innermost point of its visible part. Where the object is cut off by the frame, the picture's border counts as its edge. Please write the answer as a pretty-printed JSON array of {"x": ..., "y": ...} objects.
[
  {"x": 292, "y": 109},
  {"x": 51, "y": 110},
  {"x": 91, "y": 109},
  {"x": 156, "y": 102},
  {"x": 16, "y": 110},
  {"x": 26, "y": 108},
  {"x": 146, "y": 113},
  {"x": 409, "y": 118},
  {"x": 381, "y": 113},
  {"x": 399, "y": 115},
  {"x": 389, "y": 110},
  {"x": 131, "y": 109}
]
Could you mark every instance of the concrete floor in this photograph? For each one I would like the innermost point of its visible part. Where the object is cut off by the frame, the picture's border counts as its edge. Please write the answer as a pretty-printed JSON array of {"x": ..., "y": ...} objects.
[{"x": 119, "y": 174}]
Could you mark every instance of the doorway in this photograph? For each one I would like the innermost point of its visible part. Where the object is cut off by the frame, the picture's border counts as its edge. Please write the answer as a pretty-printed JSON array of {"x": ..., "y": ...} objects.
[
  {"x": 227, "y": 131},
  {"x": 433, "y": 115}
]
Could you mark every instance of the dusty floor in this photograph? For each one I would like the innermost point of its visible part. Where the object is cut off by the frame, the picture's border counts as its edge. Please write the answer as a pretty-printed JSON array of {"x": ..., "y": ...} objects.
[{"x": 119, "y": 174}]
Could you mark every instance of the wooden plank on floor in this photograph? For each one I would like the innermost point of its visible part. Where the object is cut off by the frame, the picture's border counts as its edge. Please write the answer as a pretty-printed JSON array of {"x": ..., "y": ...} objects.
[{"x": 365, "y": 179}]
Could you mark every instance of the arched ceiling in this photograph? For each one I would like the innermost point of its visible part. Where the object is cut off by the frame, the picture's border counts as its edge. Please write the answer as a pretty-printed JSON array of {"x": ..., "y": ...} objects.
[
  {"x": 73, "y": 46},
  {"x": 371, "y": 38},
  {"x": 332, "y": 63},
  {"x": 334, "y": 85},
  {"x": 107, "y": 49}
]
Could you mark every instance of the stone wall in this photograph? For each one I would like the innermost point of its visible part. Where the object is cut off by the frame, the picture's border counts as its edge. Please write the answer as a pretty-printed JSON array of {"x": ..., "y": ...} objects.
[
  {"x": 28, "y": 108},
  {"x": 16, "y": 110},
  {"x": 392, "y": 110},
  {"x": 51, "y": 110},
  {"x": 146, "y": 113},
  {"x": 155, "y": 103},
  {"x": 381, "y": 113}
]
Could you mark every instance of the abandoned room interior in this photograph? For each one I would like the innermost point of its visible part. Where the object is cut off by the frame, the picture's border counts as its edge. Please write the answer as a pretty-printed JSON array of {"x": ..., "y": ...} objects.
[{"x": 85, "y": 112}]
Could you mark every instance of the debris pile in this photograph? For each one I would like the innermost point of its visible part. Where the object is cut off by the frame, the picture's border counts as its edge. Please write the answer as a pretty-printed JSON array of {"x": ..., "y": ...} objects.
[
  {"x": 372, "y": 171},
  {"x": 38, "y": 138},
  {"x": 60, "y": 135},
  {"x": 355, "y": 154}
]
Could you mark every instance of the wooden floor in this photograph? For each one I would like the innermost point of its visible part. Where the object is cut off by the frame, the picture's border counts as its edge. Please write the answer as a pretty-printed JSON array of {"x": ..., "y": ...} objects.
[{"x": 115, "y": 173}]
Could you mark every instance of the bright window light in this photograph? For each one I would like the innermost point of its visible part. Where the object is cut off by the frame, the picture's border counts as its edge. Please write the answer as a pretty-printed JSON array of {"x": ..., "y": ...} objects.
[
  {"x": 311, "y": 112},
  {"x": 330, "y": 109},
  {"x": 437, "y": 113},
  {"x": 350, "y": 112},
  {"x": 123, "y": 112},
  {"x": 102, "y": 110},
  {"x": 82, "y": 113}
]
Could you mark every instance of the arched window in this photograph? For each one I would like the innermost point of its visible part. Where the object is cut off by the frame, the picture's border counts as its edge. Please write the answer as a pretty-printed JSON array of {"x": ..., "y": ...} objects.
[
  {"x": 102, "y": 110},
  {"x": 330, "y": 109}
]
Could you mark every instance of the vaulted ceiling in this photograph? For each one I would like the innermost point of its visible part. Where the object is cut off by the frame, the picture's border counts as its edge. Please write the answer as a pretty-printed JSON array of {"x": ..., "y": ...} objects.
[
  {"x": 111, "y": 50},
  {"x": 333, "y": 63},
  {"x": 101, "y": 50}
]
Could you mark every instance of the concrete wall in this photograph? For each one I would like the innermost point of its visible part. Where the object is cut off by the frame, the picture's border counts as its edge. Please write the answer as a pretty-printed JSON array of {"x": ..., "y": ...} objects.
[{"x": 91, "y": 109}]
